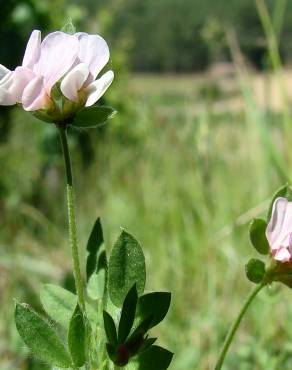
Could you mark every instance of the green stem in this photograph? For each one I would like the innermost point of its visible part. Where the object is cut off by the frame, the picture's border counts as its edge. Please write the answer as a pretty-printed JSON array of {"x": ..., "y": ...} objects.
[
  {"x": 71, "y": 217},
  {"x": 233, "y": 329}
]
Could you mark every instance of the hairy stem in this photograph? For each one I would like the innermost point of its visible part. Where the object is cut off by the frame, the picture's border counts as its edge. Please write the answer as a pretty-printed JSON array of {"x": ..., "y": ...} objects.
[
  {"x": 72, "y": 217},
  {"x": 234, "y": 327}
]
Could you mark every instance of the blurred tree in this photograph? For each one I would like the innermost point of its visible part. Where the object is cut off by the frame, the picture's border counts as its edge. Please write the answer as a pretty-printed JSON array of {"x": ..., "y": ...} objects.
[{"x": 166, "y": 35}]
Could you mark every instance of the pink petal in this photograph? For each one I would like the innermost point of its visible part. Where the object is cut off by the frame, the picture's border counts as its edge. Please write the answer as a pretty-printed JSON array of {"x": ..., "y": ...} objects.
[
  {"x": 34, "y": 96},
  {"x": 282, "y": 255},
  {"x": 3, "y": 71},
  {"x": 5, "y": 84},
  {"x": 98, "y": 88},
  {"x": 74, "y": 81},
  {"x": 280, "y": 224},
  {"x": 33, "y": 50},
  {"x": 13, "y": 85},
  {"x": 59, "y": 51},
  {"x": 94, "y": 52}
]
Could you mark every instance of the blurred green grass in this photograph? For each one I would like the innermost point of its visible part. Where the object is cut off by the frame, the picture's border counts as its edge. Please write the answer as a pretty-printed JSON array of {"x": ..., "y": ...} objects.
[
  {"x": 184, "y": 170},
  {"x": 184, "y": 166}
]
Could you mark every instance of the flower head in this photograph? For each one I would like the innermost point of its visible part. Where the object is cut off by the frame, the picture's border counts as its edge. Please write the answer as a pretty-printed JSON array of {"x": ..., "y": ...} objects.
[
  {"x": 279, "y": 230},
  {"x": 58, "y": 76}
]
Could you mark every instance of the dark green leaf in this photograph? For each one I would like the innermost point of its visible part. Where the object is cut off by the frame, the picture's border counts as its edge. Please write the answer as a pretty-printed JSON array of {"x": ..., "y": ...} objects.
[
  {"x": 58, "y": 302},
  {"x": 101, "y": 260},
  {"x": 155, "y": 357},
  {"x": 94, "y": 243},
  {"x": 285, "y": 192},
  {"x": 93, "y": 116},
  {"x": 111, "y": 350},
  {"x": 126, "y": 267},
  {"x": 136, "y": 340},
  {"x": 154, "y": 304},
  {"x": 128, "y": 314},
  {"x": 77, "y": 337},
  {"x": 143, "y": 327},
  {"x": 110, "y": 329},
  {"x": 40, "y": 337},
  {"x": 257, "y": 233},
  {"x": 255, "y": 270},
  {"x": 147, "y": 343}
]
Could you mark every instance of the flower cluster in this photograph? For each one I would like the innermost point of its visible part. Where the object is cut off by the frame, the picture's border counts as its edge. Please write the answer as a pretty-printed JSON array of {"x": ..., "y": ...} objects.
[
  {"x": 58, "y": 75},
  {"x": 274, "y": 238},
  {"x": 279, "y": 230}
]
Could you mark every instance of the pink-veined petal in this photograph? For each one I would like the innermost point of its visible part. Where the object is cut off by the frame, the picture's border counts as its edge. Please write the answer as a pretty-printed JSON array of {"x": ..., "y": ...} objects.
[
  {"x": 282, "y": 255},
  {"x": 13, "y": 85},
  {"x": 3, "y": 71},
  {"x": 94, "y": 52},
  {"x": 98, "y": 88},
  {"x": 33, "y": 50},
  {"x": 280, "y": 224},
  {"x": 34, "y": 95},
  {"x": 59, "y": 51},
  {"x": 74, "y": 81}
]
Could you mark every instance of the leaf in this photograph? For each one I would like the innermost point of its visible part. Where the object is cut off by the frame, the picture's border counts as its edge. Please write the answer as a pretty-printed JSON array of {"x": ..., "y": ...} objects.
[
  {"x": 255, "y": 270},
  {"x": 58, "y": 97},
  {"x": 137, "y": 339},
  {"x": 257, "y": 233},
  {"x": 285, "y": 192},
  {"x": 94, "y": 243},
  {"x": 40, "y": 337},
  {"x": 110, "y": 329},
  {"x": 102, "y": 261},
  {"x": 143, "y": 327},
  {"x": 96, "y": 285},
  {"x": 77, "y": 337},
  {"x": 126, "y": 267},
  {"x": 94, "y": 116},
  {"x": 69, "y": 27},
  {"x": 128, "y": 314},
  {"x": 147, "y": 343},
  {"x": 42, "y": 115},
  {"x": 154, "y": 304},
  {"x": 154, "y": 357},
  {"x": 111, "y": 351},
  {"x": 58, "y": 302},
  {"x": 92, "y": 313}
]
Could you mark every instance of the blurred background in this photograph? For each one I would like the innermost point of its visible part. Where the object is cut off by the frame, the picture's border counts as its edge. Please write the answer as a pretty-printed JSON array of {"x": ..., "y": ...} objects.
[{"x": 201, "y": 141}]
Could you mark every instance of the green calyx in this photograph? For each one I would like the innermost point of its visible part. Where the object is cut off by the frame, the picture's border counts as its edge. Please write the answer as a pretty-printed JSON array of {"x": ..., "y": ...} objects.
[
  {"x": 259, "y": 273},
  {"x": 60, "y": 109},
  {"x": 279, "y": 272}
]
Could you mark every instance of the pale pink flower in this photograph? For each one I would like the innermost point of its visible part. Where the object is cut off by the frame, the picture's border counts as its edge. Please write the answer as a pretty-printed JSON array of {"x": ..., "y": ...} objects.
[
  {"x": 74, "y": 60},
  {"x": 93, "y": 55},
  {"x": 279, "y": 230}
]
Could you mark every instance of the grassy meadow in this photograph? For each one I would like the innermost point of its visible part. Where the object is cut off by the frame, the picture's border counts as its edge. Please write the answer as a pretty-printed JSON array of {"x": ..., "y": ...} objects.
[{"x": 185, "y": 165}]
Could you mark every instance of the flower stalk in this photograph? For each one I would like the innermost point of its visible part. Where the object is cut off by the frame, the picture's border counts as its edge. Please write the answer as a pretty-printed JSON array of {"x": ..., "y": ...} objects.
[
  {"x": 235, "y": 326},
  {"x": 72, "y": 217}
]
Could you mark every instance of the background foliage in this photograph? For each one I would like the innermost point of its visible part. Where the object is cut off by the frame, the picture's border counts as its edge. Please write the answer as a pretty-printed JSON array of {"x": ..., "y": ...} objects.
[{"x": 186, "y": 164}]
